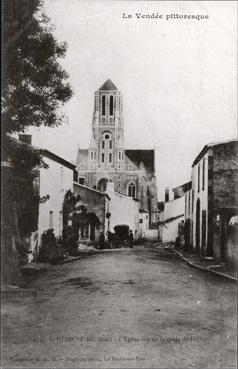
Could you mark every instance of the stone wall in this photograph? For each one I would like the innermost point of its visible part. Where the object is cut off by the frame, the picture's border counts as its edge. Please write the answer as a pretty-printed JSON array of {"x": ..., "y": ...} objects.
[
  {"x": 232, "y": 242},
  {"x": 224, "y": 200},
  {"x": 225, "y": 176}
]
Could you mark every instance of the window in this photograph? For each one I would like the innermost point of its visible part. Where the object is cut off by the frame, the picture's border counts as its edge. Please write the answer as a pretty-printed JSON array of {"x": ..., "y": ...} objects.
[
  {"x": 103, "y": 105},
  {"x": 81, "y": 180},
  {"x": 110, "y": 158},
  {"x": 84, "y": 231},
  {"x": 102, "y": 157},
  {"x": 120, "y": 155},
  {"x": 75, "y": 176},
  {"x": 204, "y": 229},
  {"x": 51, "y": 220},
  {"x": 111, "y": 105},
  {"x": 189, "y": 200},
  {"x": 198, "y": 177},
  {"x": 203, "y": 174},
  {"x": 103, "y": 144},
  {"x": 92, "y": 155},
  {"x": 60, "y": 222},
  {"x": 61, "y": 178},
  {"x": 110, "y": 144},
  {"x": 132, "y": 190}
]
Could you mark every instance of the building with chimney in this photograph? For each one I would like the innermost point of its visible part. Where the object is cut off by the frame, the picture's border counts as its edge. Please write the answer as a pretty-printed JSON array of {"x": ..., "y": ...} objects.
[
  {"x": 171, "y": 224},
  {"x": 107, "y": 160}
]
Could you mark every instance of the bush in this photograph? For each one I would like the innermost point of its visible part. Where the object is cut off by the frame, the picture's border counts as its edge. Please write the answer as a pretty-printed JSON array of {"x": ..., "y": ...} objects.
[{"x": 51, "y": 250}]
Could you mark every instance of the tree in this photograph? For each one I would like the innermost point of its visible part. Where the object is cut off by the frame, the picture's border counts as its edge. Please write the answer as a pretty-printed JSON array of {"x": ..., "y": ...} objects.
[
  {"x": 34, "y": 88},
  {"x": 34, "y": 84}
]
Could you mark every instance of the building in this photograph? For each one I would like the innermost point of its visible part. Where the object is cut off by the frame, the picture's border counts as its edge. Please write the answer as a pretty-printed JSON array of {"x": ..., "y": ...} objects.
[
  {"x": 143, "y": 229},
  {"x": 188, "y": 211},
  {"x": 181, "y": 190},
  {"x": 111, "y": 208},
  {"x": 96, "y": 202},
  {"x": 52, "y": 185},
  {"x": 172, "y": 221},
  {"x": 123, "y": 210},
  {"x": 215, "y": 201},
  {"x": 107, "y": 160}
]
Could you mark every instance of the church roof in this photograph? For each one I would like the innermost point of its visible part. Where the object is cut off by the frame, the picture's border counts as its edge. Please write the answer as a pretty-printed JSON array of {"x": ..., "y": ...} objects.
[
  {"x": 108, "y": 86},
  {"x": 82, "y": 156},
  {"x": 146, "y": 156},
  {"x": 136, "y": 156}
]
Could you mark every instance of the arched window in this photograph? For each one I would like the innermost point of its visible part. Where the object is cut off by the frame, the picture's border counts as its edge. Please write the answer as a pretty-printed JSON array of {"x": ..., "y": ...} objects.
[
  {"x": 203, "y": 174},
  {"x": 102, "y": 184},
  {"x": 132, "y": 190},
  {"x": 103, "y": 104},
  {"x": 111, "y": 105},
  {"x": 197, "y": 234},
  {"x": 198, "y": 177}
]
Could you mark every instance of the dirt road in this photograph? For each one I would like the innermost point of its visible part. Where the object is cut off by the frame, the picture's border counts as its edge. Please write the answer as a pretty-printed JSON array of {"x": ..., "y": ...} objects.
[{"x": 126, "y": 309}]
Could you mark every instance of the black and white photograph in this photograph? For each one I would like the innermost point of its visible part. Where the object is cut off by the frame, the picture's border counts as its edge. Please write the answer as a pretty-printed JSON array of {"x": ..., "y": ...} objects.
[{"x": 119, "y": 184}]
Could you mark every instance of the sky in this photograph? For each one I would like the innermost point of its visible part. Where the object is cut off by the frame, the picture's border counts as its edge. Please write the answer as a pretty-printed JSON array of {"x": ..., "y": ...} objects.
[{"x": 177, "y": 77}]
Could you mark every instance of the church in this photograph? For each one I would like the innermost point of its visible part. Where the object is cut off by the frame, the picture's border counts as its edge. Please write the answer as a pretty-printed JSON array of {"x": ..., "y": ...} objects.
[{"x": 107, "y": 160}]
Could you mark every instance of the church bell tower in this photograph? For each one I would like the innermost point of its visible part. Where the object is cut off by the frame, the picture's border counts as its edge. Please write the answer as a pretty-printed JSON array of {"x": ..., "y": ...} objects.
[{"x": 106, "y": 151}]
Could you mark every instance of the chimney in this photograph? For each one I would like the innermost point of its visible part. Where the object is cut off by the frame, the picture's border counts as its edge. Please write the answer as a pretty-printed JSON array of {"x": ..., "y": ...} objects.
[
  {"x": 166, "y": 198},
  {"x": 25, "y": 139}
]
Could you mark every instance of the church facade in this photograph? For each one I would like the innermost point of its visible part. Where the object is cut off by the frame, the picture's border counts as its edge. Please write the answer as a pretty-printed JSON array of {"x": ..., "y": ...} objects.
[{"x": 107, "y": 160}]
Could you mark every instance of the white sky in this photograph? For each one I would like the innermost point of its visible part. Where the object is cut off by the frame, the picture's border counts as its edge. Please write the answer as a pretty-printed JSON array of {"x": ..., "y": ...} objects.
[{"x": 178, "y": 77}]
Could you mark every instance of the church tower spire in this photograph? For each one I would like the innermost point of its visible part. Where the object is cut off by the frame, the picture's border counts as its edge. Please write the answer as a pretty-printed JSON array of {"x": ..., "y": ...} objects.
[{"x": 107, "y": 142}]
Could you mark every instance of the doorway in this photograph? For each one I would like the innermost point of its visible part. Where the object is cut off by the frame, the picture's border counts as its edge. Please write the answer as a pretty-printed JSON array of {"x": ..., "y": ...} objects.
[
  {"x": 204, "y": 230},
  {"x": 223, "y": 237},
  {"x": 198, "y": 225},
  {"x": 187, "y": 232}
]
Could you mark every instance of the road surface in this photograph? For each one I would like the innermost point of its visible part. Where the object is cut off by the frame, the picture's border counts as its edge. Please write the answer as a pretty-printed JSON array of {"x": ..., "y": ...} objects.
[{"x": 121, "y": 309}]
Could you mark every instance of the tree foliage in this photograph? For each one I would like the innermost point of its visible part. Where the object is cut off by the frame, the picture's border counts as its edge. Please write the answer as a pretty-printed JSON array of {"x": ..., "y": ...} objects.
[
  {"x": 34, "y": 84},
  {"x": 34, "y": 88}
]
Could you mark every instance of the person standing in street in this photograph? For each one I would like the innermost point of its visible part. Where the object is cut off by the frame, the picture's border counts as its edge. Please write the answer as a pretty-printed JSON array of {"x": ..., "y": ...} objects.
[
  {"x": 131, "y": 238},
  {"x": 101, "y": 240}
]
